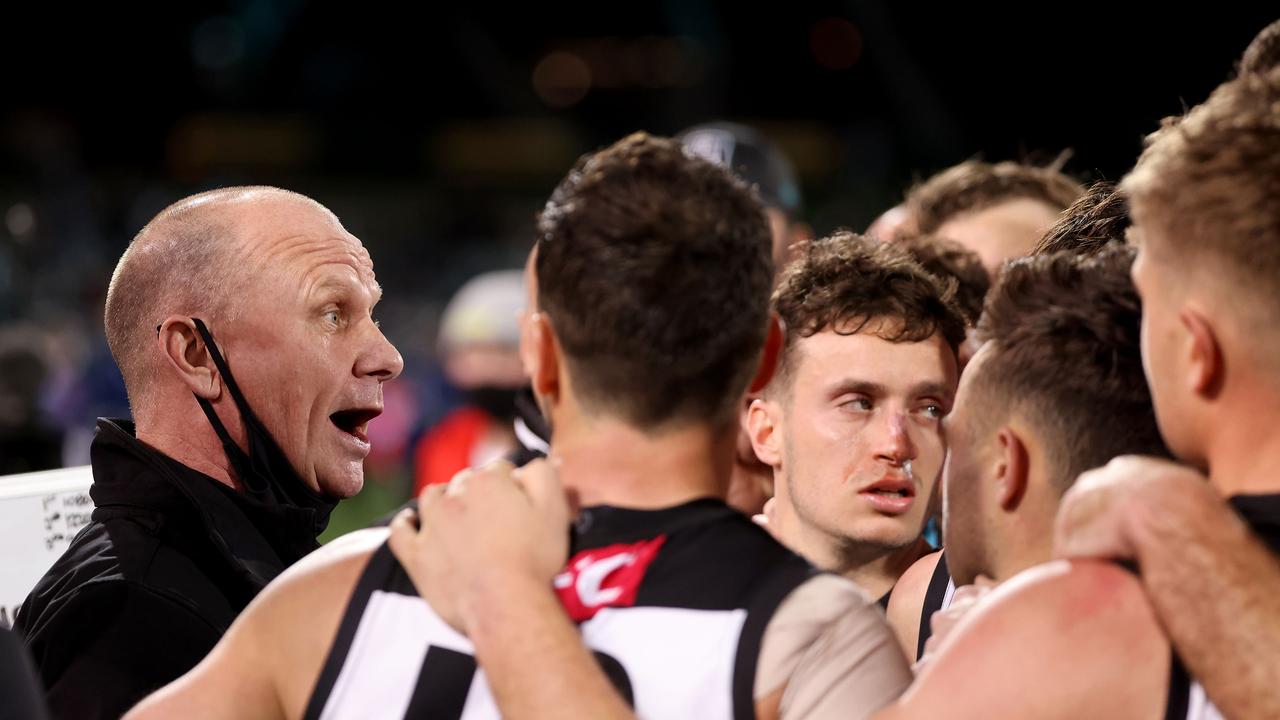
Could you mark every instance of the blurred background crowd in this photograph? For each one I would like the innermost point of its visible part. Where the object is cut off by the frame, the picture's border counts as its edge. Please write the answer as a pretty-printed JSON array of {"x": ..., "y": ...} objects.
[{"x": 435, "y": 131}]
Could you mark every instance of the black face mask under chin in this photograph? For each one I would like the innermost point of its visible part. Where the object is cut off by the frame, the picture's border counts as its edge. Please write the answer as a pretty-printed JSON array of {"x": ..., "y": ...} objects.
[{"x": 264, "y": 471}]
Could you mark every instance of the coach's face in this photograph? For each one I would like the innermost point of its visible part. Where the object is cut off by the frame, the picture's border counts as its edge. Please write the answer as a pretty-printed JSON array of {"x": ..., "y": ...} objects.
[{"x": 305, "y": 348}]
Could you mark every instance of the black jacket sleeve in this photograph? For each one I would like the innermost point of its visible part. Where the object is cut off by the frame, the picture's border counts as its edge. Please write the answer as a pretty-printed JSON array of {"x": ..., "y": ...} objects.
[
  {"x": 112, "y": 644},
  {"x": 22, "y": 698}
]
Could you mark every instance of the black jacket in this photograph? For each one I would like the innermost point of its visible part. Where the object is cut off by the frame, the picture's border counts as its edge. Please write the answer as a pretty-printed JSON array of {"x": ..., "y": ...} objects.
[
  {"x": 145, "y": 591},
  {"x": 20, "y": 697}
]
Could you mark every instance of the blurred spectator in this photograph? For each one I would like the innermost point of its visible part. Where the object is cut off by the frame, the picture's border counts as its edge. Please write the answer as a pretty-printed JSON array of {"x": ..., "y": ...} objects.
[
  {"x": 479, "y": 346},
  {"x": 28, "y": 442},
  {"x": 754, "y": 158},
  {"x": 892, "y": 223},
  {"x": 1000, "y": 211}
]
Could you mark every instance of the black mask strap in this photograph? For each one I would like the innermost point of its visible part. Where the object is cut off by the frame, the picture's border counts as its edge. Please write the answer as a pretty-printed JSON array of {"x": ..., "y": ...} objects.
[{"x": 254, "y": 483}]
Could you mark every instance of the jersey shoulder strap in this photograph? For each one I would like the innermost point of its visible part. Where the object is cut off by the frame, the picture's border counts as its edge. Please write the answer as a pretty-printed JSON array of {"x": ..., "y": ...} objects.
[
  {"x": 936, "y": 597},
  {"x": 382, "y": 573}
]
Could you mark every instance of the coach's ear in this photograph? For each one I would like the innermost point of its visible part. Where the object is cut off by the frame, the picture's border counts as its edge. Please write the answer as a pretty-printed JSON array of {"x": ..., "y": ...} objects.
[
  {"x": 769, "y": 356},
  {"x": 182, "y": 347}
]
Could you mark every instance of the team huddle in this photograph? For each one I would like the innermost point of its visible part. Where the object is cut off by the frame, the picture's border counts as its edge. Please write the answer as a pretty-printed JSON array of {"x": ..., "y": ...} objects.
[{"x": 1007, "y": 454}]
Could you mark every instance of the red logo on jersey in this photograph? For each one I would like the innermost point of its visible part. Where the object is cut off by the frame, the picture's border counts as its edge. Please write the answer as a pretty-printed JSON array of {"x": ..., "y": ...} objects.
[{"x": 605, "y": 577}]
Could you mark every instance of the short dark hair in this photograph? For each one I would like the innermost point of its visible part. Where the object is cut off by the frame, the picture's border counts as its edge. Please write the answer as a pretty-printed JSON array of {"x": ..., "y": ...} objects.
[
  {"x": 975, "y": 185},
  {"x": 1099, "y": 217},
  {"x": 949, "y": 259},
  {"x": 846, "y": 282},
  {"x": 1062, "y": 332},
  {"x": 654, "y": 267}
]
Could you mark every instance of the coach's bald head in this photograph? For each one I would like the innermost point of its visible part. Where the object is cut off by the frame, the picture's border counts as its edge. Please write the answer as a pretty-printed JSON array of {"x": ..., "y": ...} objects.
[{"x": 287, "y": 294}]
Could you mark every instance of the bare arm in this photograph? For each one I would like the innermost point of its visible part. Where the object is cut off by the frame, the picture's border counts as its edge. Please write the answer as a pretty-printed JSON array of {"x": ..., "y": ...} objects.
[
  {"x": 1214, "y": 586},
  {"x": 828, "y": 653},
  {"x": 517, "y": 664}
]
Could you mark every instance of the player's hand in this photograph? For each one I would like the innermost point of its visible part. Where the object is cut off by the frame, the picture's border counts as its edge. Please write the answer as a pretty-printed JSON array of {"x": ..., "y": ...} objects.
[
  {"x": 490, "y": 532},
  {"x": 1104, "y": 514}
]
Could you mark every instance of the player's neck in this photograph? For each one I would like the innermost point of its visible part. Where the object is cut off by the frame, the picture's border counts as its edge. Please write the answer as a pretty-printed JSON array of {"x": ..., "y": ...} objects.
[
  {"x": 877, "y": 571},
  {"x": 1022, "y": 538},
  {"x": 1022, "y": 553},
  {"x": 607, "y": 462},
  {"x": 1241, "y": 447},
  {"x": 1244, "y": 462}
]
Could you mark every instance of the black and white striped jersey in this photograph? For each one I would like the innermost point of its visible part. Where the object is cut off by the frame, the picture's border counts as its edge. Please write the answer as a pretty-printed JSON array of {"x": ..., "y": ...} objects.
[{"x": 673, "y": 602}]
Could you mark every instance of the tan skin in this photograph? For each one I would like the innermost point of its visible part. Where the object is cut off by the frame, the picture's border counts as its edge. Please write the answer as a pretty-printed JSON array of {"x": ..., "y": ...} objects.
[
  {"x": 998, "y": 497},
  {"x": 1058, "y": 641},
  {"x": 267, "y": 664},
  {"x": 310, "y": 320},
  {"x": 1214, "y": 586},
  {"x": 854, "y": 410},
  {"x": 1204, "y": 578},
  {"x": 1000, "y": 232},
  {"x": 1087, "y": 625},
  {"x": 907, "y": 602},
  {"x": 302, "y": 346}
]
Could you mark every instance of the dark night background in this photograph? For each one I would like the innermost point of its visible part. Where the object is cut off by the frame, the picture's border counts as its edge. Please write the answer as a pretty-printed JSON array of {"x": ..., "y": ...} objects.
[{"x": 436, "y": 131}]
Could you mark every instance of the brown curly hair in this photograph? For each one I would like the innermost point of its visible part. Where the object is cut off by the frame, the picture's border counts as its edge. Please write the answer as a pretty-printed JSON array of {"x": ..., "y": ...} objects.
[
  {"x": 949, "y": 259},
  {"x": 846, "y": 282}
]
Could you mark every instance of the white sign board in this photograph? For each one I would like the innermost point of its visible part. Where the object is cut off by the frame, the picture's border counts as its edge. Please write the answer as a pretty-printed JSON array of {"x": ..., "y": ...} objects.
[{"x": 39, "y": 514}]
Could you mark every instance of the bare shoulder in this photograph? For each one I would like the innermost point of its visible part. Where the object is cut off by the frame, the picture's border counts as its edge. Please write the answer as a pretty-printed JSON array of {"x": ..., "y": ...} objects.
[
  {"x": 1063, "y": 639},
  {"x": 1073, "y": 591},
  {"x": 907, "y": 601},
  {"x": 298, "y": 614},
  {"x": 337, "y": 556},
  {"x": 314, "y": 588}
]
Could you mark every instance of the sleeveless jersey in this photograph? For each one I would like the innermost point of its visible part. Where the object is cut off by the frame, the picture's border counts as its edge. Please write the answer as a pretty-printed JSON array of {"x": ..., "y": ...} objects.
[
  {"x": 673, "y": 603},
  {"x": 936, "y": 597}
]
